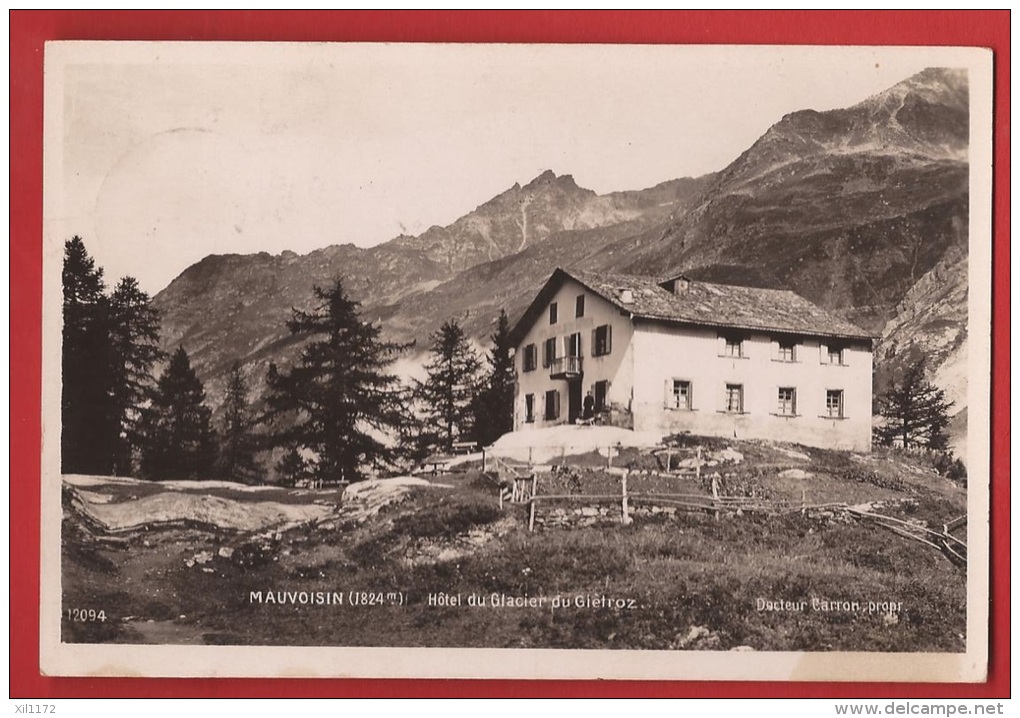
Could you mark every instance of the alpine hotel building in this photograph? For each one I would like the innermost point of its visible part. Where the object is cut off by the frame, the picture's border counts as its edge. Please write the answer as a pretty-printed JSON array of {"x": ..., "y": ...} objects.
[{"x": 681, "y": 355}]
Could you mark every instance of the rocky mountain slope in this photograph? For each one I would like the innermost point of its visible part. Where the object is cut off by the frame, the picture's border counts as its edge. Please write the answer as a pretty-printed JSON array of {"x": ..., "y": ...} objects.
[
  {"x": 930, "y": 323},
  {"x": 523, "y": 216},
  {"x": 850, "y": 207},
  {"x": 862, "y": 210}
]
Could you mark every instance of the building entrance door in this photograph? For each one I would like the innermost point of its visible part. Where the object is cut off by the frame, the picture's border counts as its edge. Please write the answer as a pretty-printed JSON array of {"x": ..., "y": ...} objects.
[{"x": 574, "y": 401}]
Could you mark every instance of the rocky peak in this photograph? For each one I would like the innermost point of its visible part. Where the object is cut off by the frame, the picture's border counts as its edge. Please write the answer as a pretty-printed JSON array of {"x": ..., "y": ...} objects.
[{"x": 549, "y": 179}]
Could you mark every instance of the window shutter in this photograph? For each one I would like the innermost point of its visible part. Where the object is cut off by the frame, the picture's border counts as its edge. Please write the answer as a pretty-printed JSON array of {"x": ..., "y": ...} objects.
[
  {"x": 823, "y": 353},
  {"x": 594, "y": 343},
  {"x": 690, "y": 395},
  {"x": 556, "y": 404},
  {"x": 667, "y": 394},
  {"x": 609, "y": 338}
]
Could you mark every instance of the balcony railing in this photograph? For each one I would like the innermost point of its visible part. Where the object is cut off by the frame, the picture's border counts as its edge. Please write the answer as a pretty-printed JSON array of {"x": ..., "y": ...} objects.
[{"x": 565, "y": 367}]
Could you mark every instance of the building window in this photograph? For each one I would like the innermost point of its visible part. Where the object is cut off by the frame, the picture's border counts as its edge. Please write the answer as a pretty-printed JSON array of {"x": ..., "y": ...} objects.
[
  {"x": 554, "y": 312},
  {"x": 734, "y": 347},
  {"x": 835, "y": 355},
  {"x": 602, "y": 340},
  {"x": 787, "y": 405},
  {"x": 529, "y": 408},
  {"x": 834, "y": 403},
  {"x": 574, "y": 345},
  {"x": 552, "y": 405},
  {"x": 787, "y": 351},
  {"x": 530, "y": 357},
  {"x": 735, "y": 398},
  {"x": 579, "y": 306},
  {"x": 549, "y": 352},
  {"x": 601, "y": 394},
  {"x": 680, "y": 397}
]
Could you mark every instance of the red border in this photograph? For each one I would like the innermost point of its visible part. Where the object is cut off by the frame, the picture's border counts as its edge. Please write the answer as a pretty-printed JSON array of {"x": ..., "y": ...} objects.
[{"x": 30, "y": 29}]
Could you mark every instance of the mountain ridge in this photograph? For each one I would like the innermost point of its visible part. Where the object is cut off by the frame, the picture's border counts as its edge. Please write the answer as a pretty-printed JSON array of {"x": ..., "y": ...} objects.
[{"x": 851, "y": 208}]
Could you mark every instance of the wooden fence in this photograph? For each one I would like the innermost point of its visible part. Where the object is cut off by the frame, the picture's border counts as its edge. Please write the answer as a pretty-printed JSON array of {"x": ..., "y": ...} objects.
[
  {"x": 714, "y": 503},
  {"x": 518, "y": 484},
  {"x": 516, "y": 481},
  {"x": 525, "y": 491}
]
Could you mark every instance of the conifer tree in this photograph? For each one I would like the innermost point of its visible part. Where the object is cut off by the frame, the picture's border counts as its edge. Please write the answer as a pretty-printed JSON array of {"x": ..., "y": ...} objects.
[
  {"x": 133, "y": 350},
  {"x": 178, "y": 442},
  {"x": 446, "y": 395},
  {"x": 339, "y": 401},
  {"x": 916, "y": 413},
  {"x": 86, "y": 413},
  {"x": 493, "y": 408},
  {"x": 292, "y": 467},
  {"x": 238, "y": 445},
  {"x": 110, "y": 343}
]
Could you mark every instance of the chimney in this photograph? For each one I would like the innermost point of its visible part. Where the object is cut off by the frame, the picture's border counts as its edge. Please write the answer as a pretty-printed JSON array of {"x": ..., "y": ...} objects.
[
  {"x": 626, "y": 296},
  {"x": 681, "y": 286}
]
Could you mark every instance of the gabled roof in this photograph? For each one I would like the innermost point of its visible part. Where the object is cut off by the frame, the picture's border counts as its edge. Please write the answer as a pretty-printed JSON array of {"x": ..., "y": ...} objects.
[{"x": 724, "y": 306}]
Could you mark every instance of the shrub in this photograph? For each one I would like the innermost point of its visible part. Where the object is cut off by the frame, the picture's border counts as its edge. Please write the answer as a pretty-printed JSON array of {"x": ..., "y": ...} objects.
[
  {"x": 446, "y": 520},
  {"x": 867, "y": 476},
  {"x": 951, "y": 467}
]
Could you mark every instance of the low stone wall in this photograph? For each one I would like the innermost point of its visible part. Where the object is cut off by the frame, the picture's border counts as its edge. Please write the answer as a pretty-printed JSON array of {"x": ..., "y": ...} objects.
[{"x": 582, "y": 516}]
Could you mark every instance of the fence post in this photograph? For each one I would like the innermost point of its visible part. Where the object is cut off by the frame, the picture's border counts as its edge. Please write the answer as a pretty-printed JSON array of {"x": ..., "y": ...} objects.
[
  {"x": 609, "y": 456},
  {"x": 715, "y": 497},
  {"x": 483, "y": 459},
  {"x": 697, "y": 465},
  {"x": 626, "y": 508},
  {"x": 669, "y": 459},
  {"x": 534, "y": 489},
  {"x": 531, "y": 463},
  {"x": 803, "y": 500}
]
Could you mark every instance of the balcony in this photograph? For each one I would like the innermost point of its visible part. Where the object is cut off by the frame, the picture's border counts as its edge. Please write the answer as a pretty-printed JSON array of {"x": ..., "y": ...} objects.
[{"x": 565, "y": 368}]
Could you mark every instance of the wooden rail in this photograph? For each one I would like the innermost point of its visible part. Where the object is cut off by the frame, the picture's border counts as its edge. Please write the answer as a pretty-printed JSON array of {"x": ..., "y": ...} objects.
[
  {"x": 698, "y": 502},
  {"x": 515, "y": 486},
  {"x": 952, "y": 547}
]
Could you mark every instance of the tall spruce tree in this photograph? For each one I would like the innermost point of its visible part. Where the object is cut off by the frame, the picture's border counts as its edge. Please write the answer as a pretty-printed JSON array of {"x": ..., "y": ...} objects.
[
  {"x": 133, "y": 350},
  {"x": 178, "y": 442},
  {"x": 915, "y": 411},
  {"x": 494, "y": 405},
  {"x": 110, "y": 343},
  {"x": 339, "y": 401},
  {"x": 445, "y": 397},
  {"x": 87, "y": 416},
  {"x": 238, "y": 445},
  {"x": 292, "y": 467}
]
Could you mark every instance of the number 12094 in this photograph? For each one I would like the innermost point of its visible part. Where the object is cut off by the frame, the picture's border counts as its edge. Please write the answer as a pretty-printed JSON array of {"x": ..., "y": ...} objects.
[{"x": 85, "y": 614}]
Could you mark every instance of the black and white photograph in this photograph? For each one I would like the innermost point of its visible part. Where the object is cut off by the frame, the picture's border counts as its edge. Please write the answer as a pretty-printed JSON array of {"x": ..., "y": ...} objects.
[{"x": 516, "y": 361}]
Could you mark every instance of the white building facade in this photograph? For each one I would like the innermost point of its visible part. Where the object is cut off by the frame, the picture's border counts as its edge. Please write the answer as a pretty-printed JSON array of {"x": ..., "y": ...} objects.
[{"x": 682, "y": 356}]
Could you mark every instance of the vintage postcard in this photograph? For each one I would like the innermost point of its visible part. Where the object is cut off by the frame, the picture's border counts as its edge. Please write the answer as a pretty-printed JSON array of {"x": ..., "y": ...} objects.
[{"x": 516, "y": 361}]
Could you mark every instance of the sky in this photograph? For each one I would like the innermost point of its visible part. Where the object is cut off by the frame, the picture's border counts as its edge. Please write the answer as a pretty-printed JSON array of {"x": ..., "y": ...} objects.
[{"x": 158, "y": 154}]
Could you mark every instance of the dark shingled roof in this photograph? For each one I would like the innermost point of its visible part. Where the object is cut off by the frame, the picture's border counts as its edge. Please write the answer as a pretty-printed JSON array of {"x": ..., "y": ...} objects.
[{"x": 703, "y": 303}]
